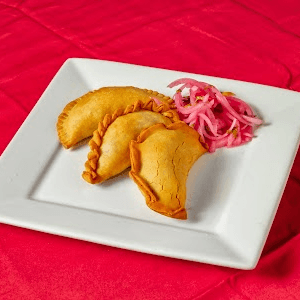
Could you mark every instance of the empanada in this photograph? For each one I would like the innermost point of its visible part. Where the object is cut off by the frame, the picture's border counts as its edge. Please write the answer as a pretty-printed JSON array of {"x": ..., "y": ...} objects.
[
  {"x": 80, "y": 117},
  {"x": 109, "y": 153},
  {"x": 161, "y": 158}
]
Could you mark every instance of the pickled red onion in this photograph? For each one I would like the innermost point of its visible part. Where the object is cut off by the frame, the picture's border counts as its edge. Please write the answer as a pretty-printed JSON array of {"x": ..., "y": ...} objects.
[
  {"x": 222, "y": 120},
  {"x": 158, "y": 102}
]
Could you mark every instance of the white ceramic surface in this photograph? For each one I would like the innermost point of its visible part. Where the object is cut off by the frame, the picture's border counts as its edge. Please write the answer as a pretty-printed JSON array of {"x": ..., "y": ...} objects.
[{"x": 233, "y": 194}]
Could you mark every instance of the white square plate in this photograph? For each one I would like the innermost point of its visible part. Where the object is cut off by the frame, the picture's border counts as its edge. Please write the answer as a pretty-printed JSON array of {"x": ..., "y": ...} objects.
[{"x": 233, "y": 193}]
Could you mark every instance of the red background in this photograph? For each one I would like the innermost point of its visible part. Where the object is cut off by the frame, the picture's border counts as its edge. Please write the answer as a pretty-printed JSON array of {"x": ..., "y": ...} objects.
[{"x": 256, "y": 41}]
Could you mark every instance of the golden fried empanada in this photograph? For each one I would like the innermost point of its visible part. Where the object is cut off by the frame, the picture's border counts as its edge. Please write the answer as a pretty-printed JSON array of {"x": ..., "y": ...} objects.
[
  {"x": 109, "y": 153},
  {"x": 161, "y": 158},
  {"x": 80, "y": 117}
]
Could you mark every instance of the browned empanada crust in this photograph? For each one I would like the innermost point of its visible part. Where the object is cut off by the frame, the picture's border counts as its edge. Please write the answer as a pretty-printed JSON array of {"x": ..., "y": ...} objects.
[
  {"x": 92, "y": 164},
  {"x": 161, "y": 158},
  {"x": 80, "y": 117}
]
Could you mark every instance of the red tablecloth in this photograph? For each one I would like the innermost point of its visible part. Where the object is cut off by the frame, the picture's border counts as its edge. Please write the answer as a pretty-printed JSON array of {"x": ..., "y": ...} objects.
[{"x": 257, "y": 41}]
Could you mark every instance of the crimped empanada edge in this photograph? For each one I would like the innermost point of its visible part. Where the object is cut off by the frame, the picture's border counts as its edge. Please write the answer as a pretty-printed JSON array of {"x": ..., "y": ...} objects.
[
  {"x": 151, "y": 199},
  {"x": 168, "y": 99},
  {"x": 62, "y": 134},
  {"x": 176, "y": 125},
  {"x": 90, "y": 174}
]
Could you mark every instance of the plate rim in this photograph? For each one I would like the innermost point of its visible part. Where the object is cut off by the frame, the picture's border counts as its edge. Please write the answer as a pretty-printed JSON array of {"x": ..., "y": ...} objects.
[{"x": 242, "y": 262}]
